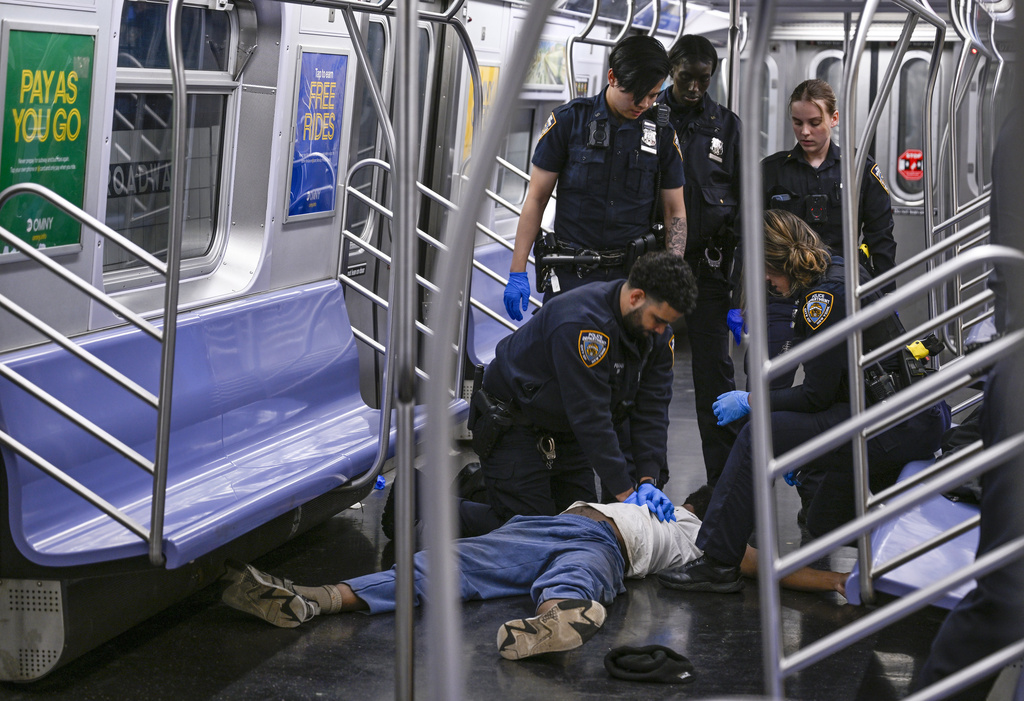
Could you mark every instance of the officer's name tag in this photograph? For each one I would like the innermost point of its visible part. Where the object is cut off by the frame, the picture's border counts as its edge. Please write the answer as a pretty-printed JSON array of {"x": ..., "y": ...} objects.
[{"x": 649, "y": 139}]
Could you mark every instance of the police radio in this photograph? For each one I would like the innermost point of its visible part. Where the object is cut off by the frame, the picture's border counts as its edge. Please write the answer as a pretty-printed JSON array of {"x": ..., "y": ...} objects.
[{"x": 659, "y": 114}]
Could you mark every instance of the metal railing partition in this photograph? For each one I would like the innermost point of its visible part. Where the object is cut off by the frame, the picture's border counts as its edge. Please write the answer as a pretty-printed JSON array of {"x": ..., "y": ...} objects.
[
  {"x": 165, "y": 336},
  {"x": 963, "y": 253}
]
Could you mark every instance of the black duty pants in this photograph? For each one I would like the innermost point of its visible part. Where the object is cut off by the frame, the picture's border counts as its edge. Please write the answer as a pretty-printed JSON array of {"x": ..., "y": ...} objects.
[
  {"x": 709, "y": 337},
  {"x": 730, "y": 517},
  {"x": 519, "y": 482}
]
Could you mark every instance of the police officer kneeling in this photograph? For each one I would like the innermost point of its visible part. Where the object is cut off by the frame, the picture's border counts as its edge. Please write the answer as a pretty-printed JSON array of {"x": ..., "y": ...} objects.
[
  {"x": 799, "y": 268},
  {"x": 559, "y": 387}
]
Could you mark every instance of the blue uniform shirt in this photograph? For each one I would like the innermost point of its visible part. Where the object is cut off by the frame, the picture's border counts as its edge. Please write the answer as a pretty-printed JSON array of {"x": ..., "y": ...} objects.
[
  {"x": 605, "y": 195},
  {"x": 571, "y": 365},
  {"x": 826, "y": 380},
  {"x": 709, "y": 136},
  {"x": 786, "y": 172}
]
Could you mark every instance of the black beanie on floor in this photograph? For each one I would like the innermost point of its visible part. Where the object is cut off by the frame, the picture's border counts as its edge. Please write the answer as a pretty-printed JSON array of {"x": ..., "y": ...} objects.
[{"x": 651, "y": 663}]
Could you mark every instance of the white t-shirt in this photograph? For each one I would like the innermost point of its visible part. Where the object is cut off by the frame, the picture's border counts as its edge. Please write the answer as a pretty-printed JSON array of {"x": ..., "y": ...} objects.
[{"x": 652, "y": 545}]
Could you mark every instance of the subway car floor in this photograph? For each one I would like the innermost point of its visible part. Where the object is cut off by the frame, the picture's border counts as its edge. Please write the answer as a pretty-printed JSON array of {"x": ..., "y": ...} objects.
[{"x": 201, "y": 649}]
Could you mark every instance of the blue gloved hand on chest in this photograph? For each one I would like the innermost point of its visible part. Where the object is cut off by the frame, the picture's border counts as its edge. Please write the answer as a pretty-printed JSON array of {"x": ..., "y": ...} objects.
[{"x": 655, "y": 500}]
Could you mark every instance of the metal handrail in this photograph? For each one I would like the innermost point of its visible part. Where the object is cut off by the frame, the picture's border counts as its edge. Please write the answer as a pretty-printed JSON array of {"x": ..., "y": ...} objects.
[
  {"x": 82, "y": 354},
  {"x": 863, "y": 423},
  {"x": 151, "y": 536}
]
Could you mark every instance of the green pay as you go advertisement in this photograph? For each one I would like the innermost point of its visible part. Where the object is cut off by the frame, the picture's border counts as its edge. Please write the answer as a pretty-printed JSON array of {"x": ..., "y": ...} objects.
[{"x": 46, "y": 132}]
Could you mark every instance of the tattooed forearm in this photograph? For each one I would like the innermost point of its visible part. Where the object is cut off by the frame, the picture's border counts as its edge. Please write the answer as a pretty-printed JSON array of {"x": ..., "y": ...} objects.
[{"x": 676, "y": 239}]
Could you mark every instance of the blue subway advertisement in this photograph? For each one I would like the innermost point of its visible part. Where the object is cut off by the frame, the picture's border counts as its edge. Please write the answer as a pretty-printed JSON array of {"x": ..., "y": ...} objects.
[{"x": 320, "y": 105}]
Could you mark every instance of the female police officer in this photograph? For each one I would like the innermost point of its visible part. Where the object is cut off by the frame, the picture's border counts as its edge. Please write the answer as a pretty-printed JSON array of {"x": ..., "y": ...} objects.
[
  {"x": 801, "y": 270},
  {"x": 807, "y": 182},
  {"x": 605, "y": 153}
]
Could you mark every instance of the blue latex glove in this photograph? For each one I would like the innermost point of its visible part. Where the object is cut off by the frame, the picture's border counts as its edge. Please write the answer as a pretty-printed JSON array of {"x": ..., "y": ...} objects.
[
  {"x": 731, "y": 406},
  {"x": 792, "y": 478},
  {"x": 517, "y": 291},
  {"x": 734, "y": 319},
  {"x": 655, "y": 500}
]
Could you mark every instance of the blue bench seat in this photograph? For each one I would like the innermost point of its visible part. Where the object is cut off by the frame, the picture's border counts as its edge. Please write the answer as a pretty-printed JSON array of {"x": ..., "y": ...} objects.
[
  {"x": 266, "y": 416},
  {"x": 925, "y": 521},
  {"x": 484, "y": 332}
]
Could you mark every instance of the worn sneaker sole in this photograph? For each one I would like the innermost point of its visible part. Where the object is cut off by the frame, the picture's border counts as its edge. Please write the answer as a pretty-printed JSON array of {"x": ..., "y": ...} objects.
[
  {"x": 716, "y": 587},
  {"x": 265, "y": 596},
  {"x": 566, "y": 625}
]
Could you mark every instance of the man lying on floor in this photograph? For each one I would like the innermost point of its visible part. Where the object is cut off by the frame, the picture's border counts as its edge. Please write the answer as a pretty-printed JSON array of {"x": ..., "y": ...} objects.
[{"x": 573, "y": 565}]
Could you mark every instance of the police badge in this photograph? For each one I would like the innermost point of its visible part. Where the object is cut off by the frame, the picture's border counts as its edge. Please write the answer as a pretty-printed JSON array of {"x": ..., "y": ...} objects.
[
  {"x": 593, "y": 347},
  {"x": 649, "y": 140},
  {"x": 717, "y": 149},
  {"x": 816, "y": 308}
]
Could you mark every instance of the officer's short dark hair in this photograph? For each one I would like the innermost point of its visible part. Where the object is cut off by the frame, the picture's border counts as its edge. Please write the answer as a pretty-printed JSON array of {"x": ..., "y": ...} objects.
[
  {"x": 665, "y": 277},
  {"x": 700, "y": 500},
  {"x": 639, "y": 64},
  {"x": 694, "y": 46}
]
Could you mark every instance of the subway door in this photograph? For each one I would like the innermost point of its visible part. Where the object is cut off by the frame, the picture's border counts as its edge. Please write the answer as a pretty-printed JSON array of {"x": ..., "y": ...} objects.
[
  {"x": 362, "y": 266},
  {"x": 901, "y": 152}
]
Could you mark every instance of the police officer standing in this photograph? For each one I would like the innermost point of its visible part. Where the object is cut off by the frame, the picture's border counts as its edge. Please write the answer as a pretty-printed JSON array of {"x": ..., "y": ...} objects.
[
  {"x": 709, "y": 135},
  {"x": 546, "y": 418},
  {"x": 807, "y": 181},
  {"x": 609, "y": 158}
]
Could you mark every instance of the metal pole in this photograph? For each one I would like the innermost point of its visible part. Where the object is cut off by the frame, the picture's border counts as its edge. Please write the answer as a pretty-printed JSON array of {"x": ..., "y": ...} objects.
[
  {"x": 444, "y": 655},
  {"x": 404, "y": 340},
  {"x": 760, "y": 417},
  {"x": 734, "y": 53},
  {"x": 177, "y": 216}
]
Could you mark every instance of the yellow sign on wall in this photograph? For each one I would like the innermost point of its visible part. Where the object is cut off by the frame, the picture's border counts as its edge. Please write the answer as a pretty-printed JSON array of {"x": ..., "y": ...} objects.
[{"x": 489, "y": 78}]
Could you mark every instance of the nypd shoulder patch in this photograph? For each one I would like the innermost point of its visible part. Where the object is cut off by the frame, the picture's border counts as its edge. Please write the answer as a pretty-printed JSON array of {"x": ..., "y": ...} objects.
[
  {"x": 547, "y": 126},
  {"x": 877, "y": 172},
  {"x": 816, "y": 308},
  {"x": 672, "y": 349},
  {"x": 593, "y": 347}
]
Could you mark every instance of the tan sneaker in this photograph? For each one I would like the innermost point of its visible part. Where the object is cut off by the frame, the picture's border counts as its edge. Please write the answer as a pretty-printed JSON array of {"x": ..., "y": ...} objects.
[
  {"x": 566, "y": 625},
  {"x": 271, "y": 598}
]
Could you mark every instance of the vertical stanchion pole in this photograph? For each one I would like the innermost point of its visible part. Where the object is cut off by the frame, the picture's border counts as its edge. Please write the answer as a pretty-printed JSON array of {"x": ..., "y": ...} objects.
[{"x": 403, "y": 338}]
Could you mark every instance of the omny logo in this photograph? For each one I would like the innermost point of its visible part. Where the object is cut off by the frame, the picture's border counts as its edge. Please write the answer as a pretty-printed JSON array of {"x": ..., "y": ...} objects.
[
  {"x": 139, "y": 178},
  {"x": 593, "y": 347}
]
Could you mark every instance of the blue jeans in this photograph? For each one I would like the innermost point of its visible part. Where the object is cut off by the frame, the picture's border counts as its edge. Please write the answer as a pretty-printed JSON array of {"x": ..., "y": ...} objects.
[{"x": 548, "y": 557}]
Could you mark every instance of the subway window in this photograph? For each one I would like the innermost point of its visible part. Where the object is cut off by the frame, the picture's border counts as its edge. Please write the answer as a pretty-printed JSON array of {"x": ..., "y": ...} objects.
[
  {"x": 138, "y": 183},
  {"x": 366, "y": 144},
  {"x": 516, "y": 151},
  {"x": 828, "y": 66},
  {"x": 913, "y": 82}
]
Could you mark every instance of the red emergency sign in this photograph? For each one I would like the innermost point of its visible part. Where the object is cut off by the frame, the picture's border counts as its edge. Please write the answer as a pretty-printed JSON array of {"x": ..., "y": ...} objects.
[{"x": 911, "y": 164}]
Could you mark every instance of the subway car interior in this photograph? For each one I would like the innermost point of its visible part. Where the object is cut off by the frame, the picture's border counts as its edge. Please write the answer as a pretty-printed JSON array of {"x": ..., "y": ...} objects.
[{"x": 253, "y": 260}]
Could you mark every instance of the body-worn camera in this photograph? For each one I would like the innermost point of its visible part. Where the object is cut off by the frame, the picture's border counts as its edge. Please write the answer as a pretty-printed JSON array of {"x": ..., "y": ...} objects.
[{"x": 817, "y": 209}]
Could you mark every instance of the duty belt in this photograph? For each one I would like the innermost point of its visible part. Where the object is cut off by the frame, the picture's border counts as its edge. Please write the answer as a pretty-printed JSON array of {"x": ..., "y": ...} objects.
[{"x": 587, "y": 257}]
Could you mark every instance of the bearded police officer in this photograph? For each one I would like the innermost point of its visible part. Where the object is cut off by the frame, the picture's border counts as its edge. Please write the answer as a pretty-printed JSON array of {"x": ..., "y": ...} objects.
[
  {"x": 560, "y": 387},
  {"x": 709, "y": 135},
  {"x": 611, "y": 159}
]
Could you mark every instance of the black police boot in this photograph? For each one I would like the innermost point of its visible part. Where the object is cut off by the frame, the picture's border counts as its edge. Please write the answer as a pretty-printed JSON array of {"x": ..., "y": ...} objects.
[{"x": 703, "y": 574}]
